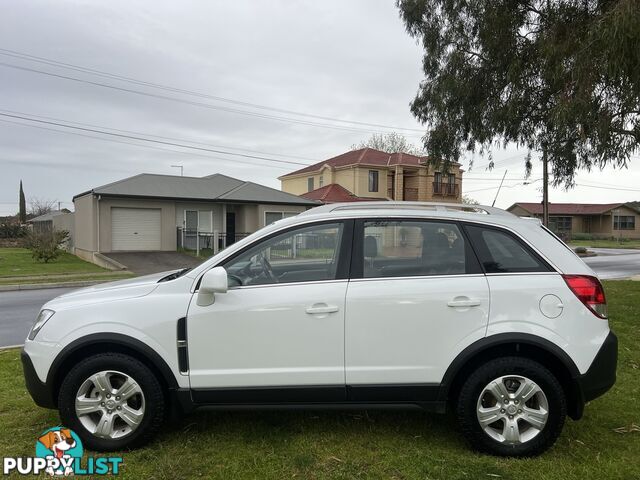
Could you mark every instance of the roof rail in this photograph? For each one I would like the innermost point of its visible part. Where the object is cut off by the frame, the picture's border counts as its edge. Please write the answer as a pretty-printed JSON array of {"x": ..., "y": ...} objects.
[{"x": 401, "y": 205}]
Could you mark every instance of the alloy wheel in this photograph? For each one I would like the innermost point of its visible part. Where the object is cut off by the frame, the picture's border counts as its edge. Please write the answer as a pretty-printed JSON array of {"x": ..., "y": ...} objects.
[
  {"x": 512, "y": 409},
  {"x": 110, "y": 404}
]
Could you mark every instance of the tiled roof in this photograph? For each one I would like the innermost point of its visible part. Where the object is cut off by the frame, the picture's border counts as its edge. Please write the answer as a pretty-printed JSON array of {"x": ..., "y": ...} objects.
[
  {"x": 334, "y": 193},
  {"x": 568, "y": 208},
  {"x": 364, "y": 156}
]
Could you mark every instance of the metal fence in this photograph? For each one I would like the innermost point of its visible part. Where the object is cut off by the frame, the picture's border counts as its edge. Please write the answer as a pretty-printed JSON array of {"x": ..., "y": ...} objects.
[{"x": 206, "y": 242}]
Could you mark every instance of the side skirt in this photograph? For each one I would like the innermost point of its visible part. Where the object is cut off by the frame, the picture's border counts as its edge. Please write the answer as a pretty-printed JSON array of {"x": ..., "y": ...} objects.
[{"x": 412, "y": 396}]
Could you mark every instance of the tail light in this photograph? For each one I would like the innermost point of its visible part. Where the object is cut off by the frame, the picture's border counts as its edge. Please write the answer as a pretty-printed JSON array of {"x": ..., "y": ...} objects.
[{"x": 589, "y": 291}]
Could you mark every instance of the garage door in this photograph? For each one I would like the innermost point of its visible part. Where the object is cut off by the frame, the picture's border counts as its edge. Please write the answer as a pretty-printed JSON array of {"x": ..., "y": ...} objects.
[{"x": 135, "y": 229}]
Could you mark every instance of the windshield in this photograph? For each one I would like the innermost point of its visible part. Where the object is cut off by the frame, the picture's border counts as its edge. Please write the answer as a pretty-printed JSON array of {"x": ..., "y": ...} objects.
[{"x": 174, "y": 275}]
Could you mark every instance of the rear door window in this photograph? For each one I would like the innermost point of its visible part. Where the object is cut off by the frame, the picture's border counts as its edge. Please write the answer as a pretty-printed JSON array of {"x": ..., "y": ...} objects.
[
  {"x": 500, "y": 251},
  {"x": 407, "y": 248}
]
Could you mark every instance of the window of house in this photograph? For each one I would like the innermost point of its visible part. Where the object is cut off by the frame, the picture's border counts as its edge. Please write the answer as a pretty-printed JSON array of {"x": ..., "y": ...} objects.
[
  {"x": 405, "y": 248},
  {"x": 437, "y": 183},
  {"x": 560, "y": 224},
  {"x": 501, "y": 252},
  {"x": 321, "y": 181},
  {"x": 270, "y": 217},
  {"x": 624, "y": 222},
  {"x": 310, "y": 184},
  {"x": 191, "y": 220},
  {"x": 302, "y": 255},
  {"x": 373, "y": 180}
]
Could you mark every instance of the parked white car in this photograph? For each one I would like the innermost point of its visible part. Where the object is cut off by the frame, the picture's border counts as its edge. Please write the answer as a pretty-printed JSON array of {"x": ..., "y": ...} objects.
[{"x": 417, "y": 305}]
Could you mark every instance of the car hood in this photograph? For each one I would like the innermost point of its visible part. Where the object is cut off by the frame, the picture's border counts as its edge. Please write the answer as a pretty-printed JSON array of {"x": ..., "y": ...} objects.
[{"x": 104, "y": 292}]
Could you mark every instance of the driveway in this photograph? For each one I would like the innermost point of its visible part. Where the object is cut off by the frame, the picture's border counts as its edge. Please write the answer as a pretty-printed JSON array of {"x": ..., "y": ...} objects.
[{"x": 144, "y": 263}]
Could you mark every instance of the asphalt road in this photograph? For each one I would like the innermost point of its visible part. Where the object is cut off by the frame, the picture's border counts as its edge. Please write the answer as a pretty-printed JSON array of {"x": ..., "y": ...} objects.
[
  {"x": 614, "y": 263},
  {"x": 18, "y": 310}
]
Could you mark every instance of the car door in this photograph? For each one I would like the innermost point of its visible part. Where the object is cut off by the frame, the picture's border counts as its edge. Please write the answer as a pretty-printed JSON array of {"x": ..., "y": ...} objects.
[
  {"x": 417, "y": 298},
  {"x": 280, "y": 324}
]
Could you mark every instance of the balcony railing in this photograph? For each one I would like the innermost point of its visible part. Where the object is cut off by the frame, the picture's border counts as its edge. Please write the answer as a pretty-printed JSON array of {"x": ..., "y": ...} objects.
[
  {"x": 410, "y": 194},
  {"x": 445, "y": 189}
]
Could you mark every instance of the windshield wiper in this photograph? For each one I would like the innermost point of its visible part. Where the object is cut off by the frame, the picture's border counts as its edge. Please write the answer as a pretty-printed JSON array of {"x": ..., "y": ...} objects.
[{"x": 174, "y": 275}]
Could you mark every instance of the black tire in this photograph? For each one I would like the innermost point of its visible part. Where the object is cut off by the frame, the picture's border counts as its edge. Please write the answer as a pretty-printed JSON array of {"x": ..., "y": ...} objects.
[
  {"x": 467, "y": 402},
  {"x": 154, "y": 401}
]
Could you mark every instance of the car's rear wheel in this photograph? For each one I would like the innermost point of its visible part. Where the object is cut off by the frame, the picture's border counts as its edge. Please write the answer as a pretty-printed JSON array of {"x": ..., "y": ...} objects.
[
  {"x": 112, "y": 401},
  {"x": 512, "y": 406}
]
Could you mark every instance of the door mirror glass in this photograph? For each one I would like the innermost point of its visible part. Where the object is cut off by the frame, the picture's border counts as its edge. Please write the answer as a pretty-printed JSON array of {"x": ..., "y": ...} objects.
[{"x": 213, "y": 281}]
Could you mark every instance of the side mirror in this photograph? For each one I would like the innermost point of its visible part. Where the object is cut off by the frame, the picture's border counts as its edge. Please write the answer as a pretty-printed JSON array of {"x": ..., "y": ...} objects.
[{"x": 213, "y": 281}]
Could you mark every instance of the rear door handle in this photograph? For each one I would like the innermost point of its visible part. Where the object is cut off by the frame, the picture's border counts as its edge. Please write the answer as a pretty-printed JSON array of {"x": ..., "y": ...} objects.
[
  {"x": 464, "y": 302},
  {"x": 321, "y": 308}
]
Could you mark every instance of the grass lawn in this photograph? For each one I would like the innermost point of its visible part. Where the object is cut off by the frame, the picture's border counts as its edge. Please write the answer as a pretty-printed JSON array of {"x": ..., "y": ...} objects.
[
  {"x": 17, "y": 266},
  {"x": 606, "y": 243},
  {"x": 365, "y": 445}
]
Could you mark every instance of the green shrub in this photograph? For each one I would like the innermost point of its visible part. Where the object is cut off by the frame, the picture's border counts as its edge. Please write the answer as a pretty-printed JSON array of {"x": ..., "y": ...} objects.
[
  {"x": 580, "y": 250},
  {"x": 12, "y": 230},
  {"x": 582, "y": 236},
  {"x": 46, "y": 245}
]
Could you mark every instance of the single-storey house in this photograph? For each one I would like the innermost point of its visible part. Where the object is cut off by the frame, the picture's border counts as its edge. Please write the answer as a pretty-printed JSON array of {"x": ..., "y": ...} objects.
[
  {"x": 599, "y": 220},
  {"x": 150, "y": 212}
]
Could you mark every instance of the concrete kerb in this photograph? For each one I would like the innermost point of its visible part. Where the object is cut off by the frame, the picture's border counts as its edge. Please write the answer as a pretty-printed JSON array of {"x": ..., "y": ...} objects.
[{"x": 39, "y": 286}]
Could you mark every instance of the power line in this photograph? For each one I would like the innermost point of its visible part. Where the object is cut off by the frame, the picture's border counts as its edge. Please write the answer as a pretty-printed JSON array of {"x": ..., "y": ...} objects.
[
  {"x": 504, "y": 186},
  {"x": 191, "y": 154},
  {"x": 143, "y": 139},
  {"x": 157, "y": 136},
  {"x": 608, "y": 188},
  {"x": 70, "y": 66},
  {"x": 190, "y": 102}
]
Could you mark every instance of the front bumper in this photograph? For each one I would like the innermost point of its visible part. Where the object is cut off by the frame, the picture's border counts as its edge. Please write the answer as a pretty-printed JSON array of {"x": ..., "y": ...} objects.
[{"x": 41, "y": 393}]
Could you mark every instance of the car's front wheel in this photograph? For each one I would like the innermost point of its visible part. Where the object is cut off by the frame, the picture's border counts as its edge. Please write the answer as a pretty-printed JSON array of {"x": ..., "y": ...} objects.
[
  {"x": 112, "y": 401},
  {"x": 511, "y": 406}
]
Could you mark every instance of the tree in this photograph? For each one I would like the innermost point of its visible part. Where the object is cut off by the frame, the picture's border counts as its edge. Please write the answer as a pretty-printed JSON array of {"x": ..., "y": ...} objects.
[
  {"x": 466, "y": 199},
  {"x": 40, "y": 206},
  {"x": 22, "y": 215},
  {"x": 389, "y": 142},
  {"x": 561, "y": 77}
]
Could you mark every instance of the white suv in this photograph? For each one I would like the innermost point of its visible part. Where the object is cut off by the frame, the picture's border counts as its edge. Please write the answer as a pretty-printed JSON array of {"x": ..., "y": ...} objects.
[{"x": 372, "y": 304}]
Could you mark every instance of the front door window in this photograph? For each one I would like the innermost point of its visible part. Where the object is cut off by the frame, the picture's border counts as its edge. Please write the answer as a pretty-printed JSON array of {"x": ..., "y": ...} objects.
[{"x": 301, "y": 255}]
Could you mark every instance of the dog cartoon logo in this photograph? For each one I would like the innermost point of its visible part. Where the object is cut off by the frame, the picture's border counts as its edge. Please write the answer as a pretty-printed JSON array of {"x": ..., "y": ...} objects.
[{"x": 60, "y": 446}]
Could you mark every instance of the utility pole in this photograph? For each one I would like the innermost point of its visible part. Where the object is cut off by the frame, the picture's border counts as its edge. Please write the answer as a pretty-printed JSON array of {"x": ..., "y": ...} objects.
[
  {"x": 498, "y": 192},
  {"x": 545, "y": 189}
]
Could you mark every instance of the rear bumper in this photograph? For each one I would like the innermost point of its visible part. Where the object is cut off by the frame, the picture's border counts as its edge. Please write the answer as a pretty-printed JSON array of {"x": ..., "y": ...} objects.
[
  {"x": 602, "y": 373},
  {"x": 597, "y": 380},
  {"x": 41, "y": 393}
]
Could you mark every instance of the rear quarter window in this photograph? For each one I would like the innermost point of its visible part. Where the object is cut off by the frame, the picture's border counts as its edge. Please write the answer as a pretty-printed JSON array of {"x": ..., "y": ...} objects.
[{"x": 500, "y": 251}]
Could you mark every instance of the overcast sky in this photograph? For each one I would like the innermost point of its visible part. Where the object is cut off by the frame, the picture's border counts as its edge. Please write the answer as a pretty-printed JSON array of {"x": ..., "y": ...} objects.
[{"x": 348, "y": 60}]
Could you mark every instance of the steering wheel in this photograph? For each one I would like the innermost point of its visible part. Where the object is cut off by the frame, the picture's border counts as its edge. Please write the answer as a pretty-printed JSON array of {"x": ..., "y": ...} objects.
[{"x": 266, "y": 267}]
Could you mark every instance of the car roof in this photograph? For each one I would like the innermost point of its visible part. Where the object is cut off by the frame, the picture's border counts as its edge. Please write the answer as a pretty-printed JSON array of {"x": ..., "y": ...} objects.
[{"x": 451, "y": 211}]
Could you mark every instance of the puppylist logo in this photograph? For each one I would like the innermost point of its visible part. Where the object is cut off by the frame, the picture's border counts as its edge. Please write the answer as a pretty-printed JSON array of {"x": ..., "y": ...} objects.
[{"x": 59, "y": 452}]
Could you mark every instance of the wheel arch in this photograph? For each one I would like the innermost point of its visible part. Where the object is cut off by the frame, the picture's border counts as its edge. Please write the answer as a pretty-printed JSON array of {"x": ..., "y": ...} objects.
[
  {"x": 516, "y": 344},
  {"x": 108, "y": 342}
]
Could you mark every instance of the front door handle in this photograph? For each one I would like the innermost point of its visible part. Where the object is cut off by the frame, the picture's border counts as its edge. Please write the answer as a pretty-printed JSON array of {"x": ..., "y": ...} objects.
[
  {"x": 464, "y": 302},
  {"x": 321, "y": 308}
]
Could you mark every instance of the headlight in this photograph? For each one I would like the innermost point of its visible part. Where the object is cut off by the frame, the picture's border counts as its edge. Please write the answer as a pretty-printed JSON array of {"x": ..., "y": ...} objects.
[{"x": 43, "y": 316}]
